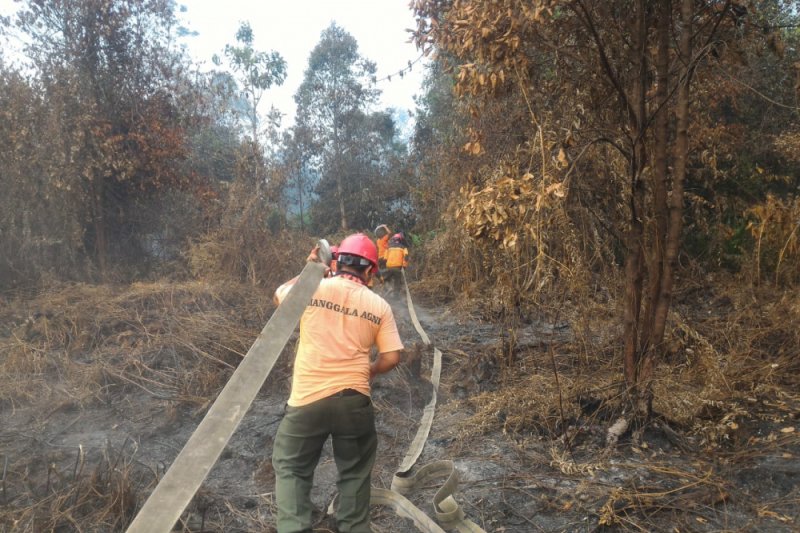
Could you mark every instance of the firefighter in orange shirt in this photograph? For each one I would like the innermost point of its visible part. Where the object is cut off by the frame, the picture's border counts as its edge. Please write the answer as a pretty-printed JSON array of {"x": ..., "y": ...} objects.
[
  {"x": 382, "y": 233},
  {"x": 396, "y": 261},
  {"x": 334, "y": 257},
  {"x": 331, "y": 390}
]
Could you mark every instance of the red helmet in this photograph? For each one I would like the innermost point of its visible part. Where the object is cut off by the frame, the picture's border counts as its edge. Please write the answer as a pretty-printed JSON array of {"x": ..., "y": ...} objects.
[
  {"x": 334, "y": 251},
  {"x": 397, "y": 236},
  {"x": 359, "y": 245}
]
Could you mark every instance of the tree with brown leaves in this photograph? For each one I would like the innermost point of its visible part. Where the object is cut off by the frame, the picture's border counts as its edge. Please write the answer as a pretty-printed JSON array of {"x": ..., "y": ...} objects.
[{"x": 608, "y": 88}]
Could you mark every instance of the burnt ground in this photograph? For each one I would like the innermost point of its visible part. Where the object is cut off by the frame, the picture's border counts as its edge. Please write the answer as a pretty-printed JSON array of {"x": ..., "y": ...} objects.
[{"x": 84, "y": 460}]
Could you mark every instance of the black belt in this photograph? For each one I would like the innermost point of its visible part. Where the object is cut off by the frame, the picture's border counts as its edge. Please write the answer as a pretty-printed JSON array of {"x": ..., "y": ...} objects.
[{"x": 345, "y": 392}]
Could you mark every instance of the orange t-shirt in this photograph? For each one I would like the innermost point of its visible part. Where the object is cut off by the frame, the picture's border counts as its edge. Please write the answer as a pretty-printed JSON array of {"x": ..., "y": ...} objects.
[
  {"x": 396, "y": 257},
  {"x": 383, "y": 245},
  {"x": 337, "y": 331}
]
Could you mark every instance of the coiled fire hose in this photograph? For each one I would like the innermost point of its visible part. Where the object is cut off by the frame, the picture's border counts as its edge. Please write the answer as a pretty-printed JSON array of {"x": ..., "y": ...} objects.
[{"x": 447, "y": 510}]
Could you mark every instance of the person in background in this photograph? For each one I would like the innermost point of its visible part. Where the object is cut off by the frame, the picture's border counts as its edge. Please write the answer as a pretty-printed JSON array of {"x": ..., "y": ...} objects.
[
  {"x": 396, "y": 261},
  {"x": 382, "y": 233},
  {"x": 331, "y": 390},
  {"x": 334, "y": 253}
]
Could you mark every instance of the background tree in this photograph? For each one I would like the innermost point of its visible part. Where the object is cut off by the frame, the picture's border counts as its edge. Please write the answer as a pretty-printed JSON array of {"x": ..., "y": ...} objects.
[
  {"x": 217, "y": 134},
  {"x": 331, "y": 101},
  {"x": 41, "y": 234},
  {"x": 374, "y": 184},
  {"x": 607, "y": 88},
  {"x": 297, "y": 150},
  {"x": 437, "y": 133},
  {"x": 108, "y": 74},
  {"x": 250, "y": 207},
  {"x": 742, "y": 188},
  {"x": 257, "y": 72}
]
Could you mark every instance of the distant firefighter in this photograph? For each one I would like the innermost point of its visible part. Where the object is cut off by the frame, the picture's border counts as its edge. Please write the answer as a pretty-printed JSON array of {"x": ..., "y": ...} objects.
[
  {"x": 382, "y": 233},
  {"x": 396, "y": 261},
  {"x": 334, "y": 257}
]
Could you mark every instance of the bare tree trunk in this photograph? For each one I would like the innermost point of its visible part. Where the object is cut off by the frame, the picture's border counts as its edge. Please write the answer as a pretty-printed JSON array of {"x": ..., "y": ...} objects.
[
  {"x": 679, "y": 172},
  {"x": 300, "y": 195},
  {"x": 633, "y": 291},
  {"x": 253, "y": 112},
  {"x": 100, "y": 230},
  {"x": 634, "y": 263},
  {"x": 337, "y": 154},
  {"x": 660, "y": 172},
  {"x": 340, "y": 192}
]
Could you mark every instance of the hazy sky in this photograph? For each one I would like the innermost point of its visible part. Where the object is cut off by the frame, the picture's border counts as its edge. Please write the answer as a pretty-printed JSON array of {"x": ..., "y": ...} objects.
[{"x": 293, "y": 28}]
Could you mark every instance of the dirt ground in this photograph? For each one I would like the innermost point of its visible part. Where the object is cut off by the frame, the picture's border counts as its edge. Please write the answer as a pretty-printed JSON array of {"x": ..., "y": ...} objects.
[{"x": 84, "y": 457}]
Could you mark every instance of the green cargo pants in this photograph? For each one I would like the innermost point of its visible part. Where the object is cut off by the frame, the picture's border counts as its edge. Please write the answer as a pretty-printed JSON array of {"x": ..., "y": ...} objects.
[{"x": 349, "y": 418}]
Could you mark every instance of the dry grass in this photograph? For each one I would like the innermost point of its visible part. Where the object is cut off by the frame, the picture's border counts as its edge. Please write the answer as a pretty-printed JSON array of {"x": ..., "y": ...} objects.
[
  {"x": 171, "y": 341},
  {"x": 78, "y": 347},
  {"x": 737, "y": 344},
  {"x": 730, "y": 371},
  {"x": 680, "y": 491},
  {"x": 75, "y": 497},
  {"x": 726, "y": 396}
]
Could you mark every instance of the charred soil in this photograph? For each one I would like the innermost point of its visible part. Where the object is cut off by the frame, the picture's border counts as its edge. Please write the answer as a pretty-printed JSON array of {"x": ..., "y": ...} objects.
[{"x": 102, "y": 386}]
